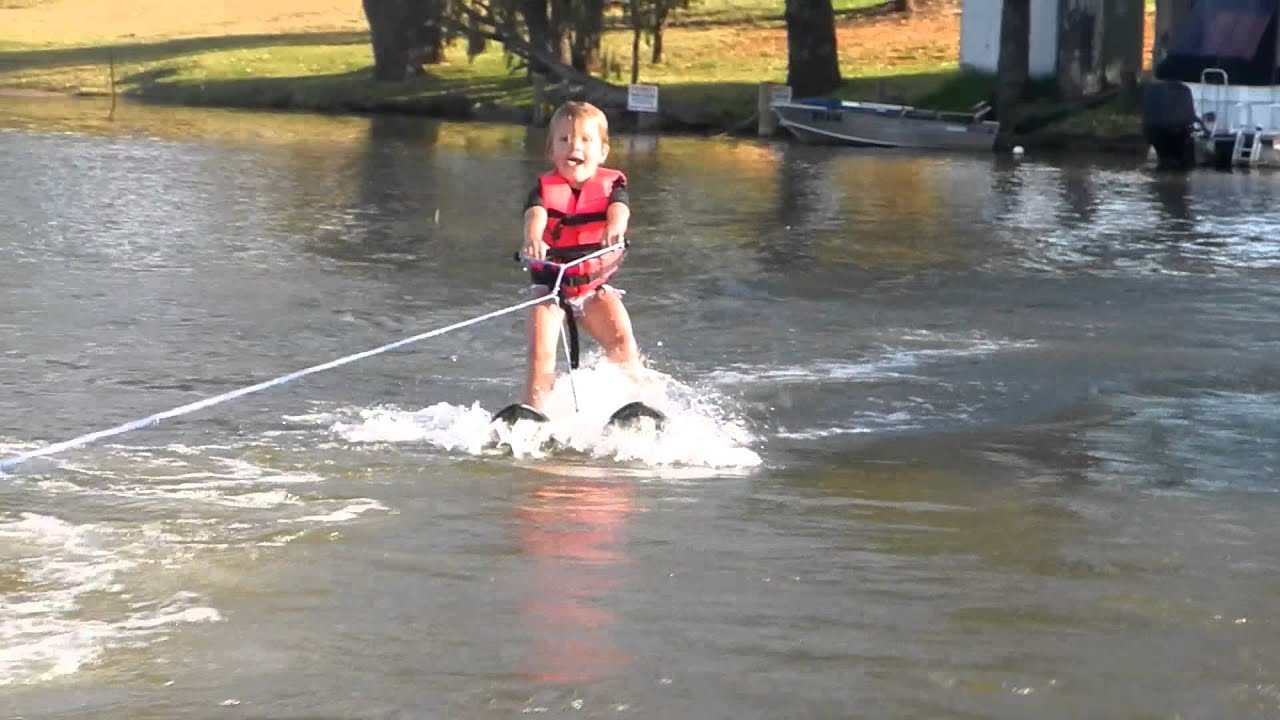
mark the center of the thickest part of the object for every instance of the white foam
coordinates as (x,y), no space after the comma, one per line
(794,374)
(75,591)
(45,629)
(451,427)
(698,432)
(892,363)
(350,512)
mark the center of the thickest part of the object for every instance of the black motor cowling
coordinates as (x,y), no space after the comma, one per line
(1168,122)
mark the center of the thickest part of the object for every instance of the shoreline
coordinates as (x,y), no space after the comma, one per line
(460,107)
(314,56)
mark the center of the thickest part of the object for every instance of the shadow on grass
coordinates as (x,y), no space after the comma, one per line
(724,106)
(729,18)
(32,58)
(345,92)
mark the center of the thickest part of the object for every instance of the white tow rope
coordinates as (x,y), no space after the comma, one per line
(11,462)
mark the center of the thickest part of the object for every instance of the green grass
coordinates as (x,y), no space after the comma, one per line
(753,11)
(708,62)
(709,67)
(717,53)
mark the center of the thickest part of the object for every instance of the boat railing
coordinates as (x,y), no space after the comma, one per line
(1214,104)
(1224,112)
(1261,116)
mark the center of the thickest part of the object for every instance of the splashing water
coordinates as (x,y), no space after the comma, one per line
(698,432)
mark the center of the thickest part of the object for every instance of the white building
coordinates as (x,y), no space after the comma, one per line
(980,36)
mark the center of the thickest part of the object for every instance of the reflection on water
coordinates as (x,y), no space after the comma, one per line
(1011,428)
(573,533)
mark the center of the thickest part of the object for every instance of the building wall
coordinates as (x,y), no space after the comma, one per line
(980,36)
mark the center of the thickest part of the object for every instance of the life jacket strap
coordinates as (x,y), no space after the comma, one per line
(578,275)
(571,324)
(576,220)
(571,253)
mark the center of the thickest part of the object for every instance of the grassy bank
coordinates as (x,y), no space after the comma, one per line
(315,55)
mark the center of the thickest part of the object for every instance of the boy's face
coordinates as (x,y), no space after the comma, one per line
(577,149)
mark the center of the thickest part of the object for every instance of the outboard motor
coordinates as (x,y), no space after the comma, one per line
(1169,123)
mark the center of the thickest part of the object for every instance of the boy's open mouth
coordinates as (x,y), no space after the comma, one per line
(574,160)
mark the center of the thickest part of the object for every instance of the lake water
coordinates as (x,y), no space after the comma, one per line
(952,436)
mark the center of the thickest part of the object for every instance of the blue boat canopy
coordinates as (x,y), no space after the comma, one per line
(1238,36)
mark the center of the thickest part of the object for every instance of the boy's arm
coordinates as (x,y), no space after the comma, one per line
(535,223)
(616,218)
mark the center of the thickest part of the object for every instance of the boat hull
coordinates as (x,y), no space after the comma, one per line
(871,124)
(1219,124)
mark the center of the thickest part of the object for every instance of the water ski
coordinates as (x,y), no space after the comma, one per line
(512,414)
(521,438)
(633,413)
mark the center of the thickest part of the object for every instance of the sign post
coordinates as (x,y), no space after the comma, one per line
(766,119)
(643,100)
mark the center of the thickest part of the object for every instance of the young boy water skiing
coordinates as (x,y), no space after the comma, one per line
(578,207)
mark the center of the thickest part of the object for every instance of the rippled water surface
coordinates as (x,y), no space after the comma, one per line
(951,436)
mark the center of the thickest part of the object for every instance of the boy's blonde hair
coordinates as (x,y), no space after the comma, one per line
(579,110)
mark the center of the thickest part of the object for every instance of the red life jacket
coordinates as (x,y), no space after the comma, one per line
(576,227)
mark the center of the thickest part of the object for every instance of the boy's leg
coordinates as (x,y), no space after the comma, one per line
(543,340)
(606,319)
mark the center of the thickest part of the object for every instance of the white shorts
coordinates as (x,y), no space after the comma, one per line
(577,303)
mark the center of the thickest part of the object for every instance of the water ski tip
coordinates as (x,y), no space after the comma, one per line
(634,412)
(512,414)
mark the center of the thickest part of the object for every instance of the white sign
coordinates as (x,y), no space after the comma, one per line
(642,98)
(779,94)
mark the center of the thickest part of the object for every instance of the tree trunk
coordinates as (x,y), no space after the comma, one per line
(539,26)
(1011,75)
(391,30)
(564,47)
(1080,27)
(572,84)
(430,50)
(659,22)
(1122,45)
(813,67)
(536,21)
(637,29)
(588,28)
(905,6)
(562,30)
(476,42)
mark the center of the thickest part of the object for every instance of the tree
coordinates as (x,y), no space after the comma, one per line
(636,13)
(648,18)
(1011,70)
(393,26)
(587,27)
(537,20)
(567,81)
(813,67)
(431,35)
(406,34)
(661,13)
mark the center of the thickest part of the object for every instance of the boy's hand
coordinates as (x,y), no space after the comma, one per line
(535,222)
(615,233)
(535,249)
(615,228)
